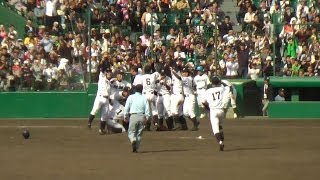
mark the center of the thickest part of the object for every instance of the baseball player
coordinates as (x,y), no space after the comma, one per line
(164,99)
(215,104)
(137,78)
(201,82)
(190,99)
(118,83)
(101,101)
(232,97)
(149,91)
(116,115)
(176,101)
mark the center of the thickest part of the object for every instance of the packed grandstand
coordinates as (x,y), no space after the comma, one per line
(61,48)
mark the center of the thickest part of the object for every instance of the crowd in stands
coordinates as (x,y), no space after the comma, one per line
(128,33)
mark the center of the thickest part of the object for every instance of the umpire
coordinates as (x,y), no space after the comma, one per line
(137,109)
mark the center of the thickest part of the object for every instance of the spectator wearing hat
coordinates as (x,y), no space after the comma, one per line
(253,72)
(267,95)
(280,96)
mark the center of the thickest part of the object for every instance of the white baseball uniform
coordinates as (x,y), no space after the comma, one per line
(118,86)
(190,99)
(101,101)
(201,83)
(231,93)
(149,87)
(177,96)
(164,98)
(138,79)
(116,111)
(215,99)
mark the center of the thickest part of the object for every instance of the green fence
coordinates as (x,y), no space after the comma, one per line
(44,105)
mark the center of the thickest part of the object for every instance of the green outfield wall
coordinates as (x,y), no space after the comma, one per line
(43,104)
(79,104)
(294,110)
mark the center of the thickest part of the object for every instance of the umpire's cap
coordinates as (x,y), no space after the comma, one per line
(216,80)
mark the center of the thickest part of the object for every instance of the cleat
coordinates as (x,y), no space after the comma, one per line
(202,116)
(235,115)
(102,132)
(134,147)
(89,126)
(221,148)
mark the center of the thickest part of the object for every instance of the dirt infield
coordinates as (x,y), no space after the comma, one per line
(66,150)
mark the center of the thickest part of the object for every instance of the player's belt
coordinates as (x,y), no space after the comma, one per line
(187,95)
(136,113)
(159,94)
(104,96)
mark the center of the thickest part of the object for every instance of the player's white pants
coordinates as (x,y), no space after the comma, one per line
(201,97)
(163,106)
(112,123)
(152,102)
(115,116)
(189,105)
(216,117)
(101,103)
(176,104)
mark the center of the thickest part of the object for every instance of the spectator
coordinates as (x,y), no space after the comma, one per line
(280,96)
(183,5)
(253,72)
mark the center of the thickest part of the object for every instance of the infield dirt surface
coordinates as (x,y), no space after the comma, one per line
(254,149)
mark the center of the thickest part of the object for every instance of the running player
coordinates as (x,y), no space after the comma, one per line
(101,101)
(215,104)
(190,99)
(201,81)
(149,91)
